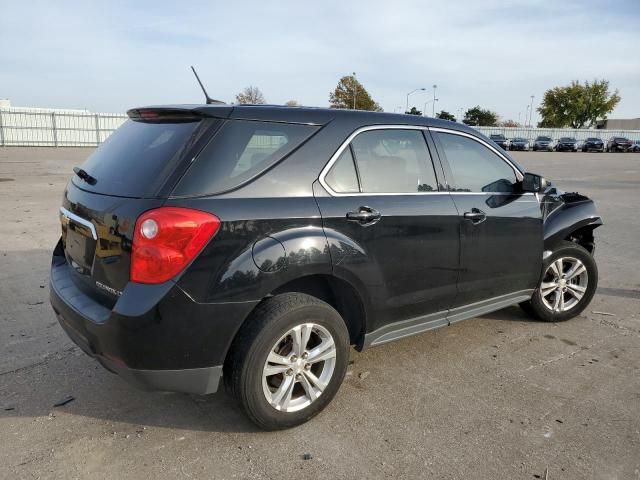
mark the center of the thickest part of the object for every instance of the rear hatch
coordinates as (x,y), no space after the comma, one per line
(133,171)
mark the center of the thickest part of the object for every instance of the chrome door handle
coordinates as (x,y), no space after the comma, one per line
(364,216)
(475,215)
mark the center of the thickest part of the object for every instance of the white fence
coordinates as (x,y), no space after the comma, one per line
(42,128)
(555,133)
(30,127)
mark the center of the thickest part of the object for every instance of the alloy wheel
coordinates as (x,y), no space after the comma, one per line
(564,284)
(299,367)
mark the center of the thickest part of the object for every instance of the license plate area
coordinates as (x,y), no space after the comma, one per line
(79,244)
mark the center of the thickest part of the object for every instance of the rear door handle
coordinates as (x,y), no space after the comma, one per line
(364,216)
(475,215)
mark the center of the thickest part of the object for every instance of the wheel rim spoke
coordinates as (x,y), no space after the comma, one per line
(322,352)
(556,302)
(576,270)
(547,287)
(305,335)
(275,369)
(315,381)
(576,291)
(308,388)
(296,337)
(282,396)
(278,359)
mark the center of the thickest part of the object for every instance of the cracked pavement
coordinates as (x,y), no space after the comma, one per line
(500,396)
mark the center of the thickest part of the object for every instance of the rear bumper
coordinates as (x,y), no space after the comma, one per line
(170,343)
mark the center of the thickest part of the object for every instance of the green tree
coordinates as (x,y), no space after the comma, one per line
(251,95)
(480,117)
(577,105)
(343,95)
(292,103)
(444,115)
(414,111)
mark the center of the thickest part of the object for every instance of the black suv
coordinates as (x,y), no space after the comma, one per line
(618,144)
(567,144)
(255,244)
(593,144)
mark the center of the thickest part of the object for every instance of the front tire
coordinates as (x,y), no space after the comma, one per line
(289,360)
(567,285)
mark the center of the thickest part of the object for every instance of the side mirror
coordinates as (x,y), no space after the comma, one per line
(533,183)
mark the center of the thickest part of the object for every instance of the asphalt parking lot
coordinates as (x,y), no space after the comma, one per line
(496,397)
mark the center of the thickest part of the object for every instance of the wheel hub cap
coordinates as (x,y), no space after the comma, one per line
(299,367)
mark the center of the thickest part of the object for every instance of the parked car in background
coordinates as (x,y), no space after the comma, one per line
(543,142)
(567,144)
(635,146)
(618,144)
(499,139)
(253,245)
(519,143)
(593,144)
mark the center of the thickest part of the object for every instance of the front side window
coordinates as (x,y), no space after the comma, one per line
(476,168)
(387,161)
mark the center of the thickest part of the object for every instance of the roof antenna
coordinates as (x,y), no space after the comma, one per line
(210,101)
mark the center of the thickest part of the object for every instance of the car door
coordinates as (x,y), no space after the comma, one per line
(501,237)
(389,226)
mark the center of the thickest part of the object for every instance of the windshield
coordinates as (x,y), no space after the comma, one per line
(593,139)
(567,139)
(497,137)
(620,139)
(544,139)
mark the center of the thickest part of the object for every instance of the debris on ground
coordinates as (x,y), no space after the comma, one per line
(363,375)
(307,456)
(603,313)
(64,401)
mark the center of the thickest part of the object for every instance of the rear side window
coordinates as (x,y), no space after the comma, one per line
(342,177)
(240,150)
(137,158)
(475,167)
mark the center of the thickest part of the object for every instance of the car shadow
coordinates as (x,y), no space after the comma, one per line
(93,392)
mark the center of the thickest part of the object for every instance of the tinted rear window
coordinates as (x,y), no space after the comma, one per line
(239,151)
(137,158)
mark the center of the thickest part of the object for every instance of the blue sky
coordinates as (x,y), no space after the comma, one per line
(110,56)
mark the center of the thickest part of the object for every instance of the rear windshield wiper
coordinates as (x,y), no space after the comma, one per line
(84,175)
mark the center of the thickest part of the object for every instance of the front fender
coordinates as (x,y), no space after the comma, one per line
(568,213)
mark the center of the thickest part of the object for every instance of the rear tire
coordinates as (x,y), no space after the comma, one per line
(567,285)
(271,368)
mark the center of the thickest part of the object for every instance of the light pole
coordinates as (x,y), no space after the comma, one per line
(433,110)
(531,113)
(460,110)
(424,110)
(412,92)
(355,88)
(526,115)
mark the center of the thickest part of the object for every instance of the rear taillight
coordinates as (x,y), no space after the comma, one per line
(166,240)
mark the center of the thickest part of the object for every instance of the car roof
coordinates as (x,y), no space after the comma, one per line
(312,115)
